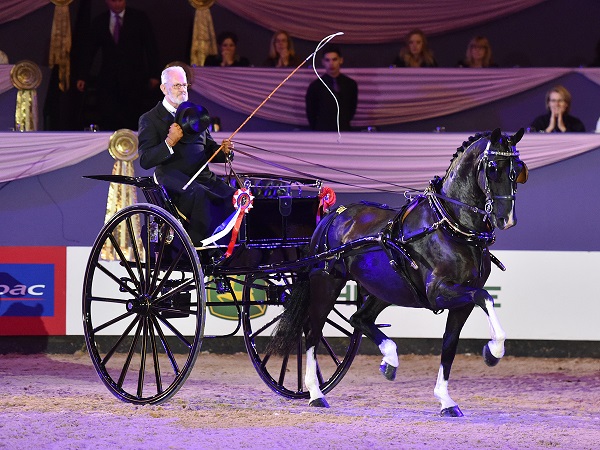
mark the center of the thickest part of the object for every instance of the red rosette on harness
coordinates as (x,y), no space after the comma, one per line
(326,200)
(242,201)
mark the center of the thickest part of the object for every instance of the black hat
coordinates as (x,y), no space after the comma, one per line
(193,120)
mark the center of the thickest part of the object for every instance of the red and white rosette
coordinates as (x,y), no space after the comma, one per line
(326,200)
(242,201)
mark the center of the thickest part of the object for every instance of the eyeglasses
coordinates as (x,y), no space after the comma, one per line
(179,86)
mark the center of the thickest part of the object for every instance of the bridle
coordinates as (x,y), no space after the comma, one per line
(485,163)
(455,228)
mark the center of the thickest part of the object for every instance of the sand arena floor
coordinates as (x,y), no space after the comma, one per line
(58,402)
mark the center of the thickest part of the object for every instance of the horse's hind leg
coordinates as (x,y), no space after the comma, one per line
(364,320)
(324,291)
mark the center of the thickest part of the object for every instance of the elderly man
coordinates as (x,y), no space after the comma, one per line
(179,153)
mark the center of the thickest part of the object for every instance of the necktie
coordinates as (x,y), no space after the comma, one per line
(117,29)
(336,87)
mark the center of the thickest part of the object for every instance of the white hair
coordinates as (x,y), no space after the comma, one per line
(164,76)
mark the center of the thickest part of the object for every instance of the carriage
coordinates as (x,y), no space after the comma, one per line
(144,313)
(150,303)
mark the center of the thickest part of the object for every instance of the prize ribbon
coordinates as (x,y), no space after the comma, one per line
(326,200)
(242,201)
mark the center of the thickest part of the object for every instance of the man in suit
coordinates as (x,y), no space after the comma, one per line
(178,154)
(129,67)
(321,108)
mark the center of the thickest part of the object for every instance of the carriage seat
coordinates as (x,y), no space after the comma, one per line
(153,192)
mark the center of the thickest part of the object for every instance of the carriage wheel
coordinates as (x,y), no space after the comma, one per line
(143,304)
(285,374)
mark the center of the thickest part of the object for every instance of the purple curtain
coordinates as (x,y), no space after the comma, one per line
(385,96)
(15,9)
(373,21)
(358,162)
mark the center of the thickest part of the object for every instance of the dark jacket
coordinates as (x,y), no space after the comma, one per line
(321,110)
(571,122)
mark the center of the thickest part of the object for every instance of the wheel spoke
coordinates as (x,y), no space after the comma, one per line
(330,351)
(264,327)
(339,327)
(119,341)
(175,331)
(129,355)
(138,260)
(283,370)
(117,280)
(112,321)
(124,261)
(166,346)
(155,357)
(142,372)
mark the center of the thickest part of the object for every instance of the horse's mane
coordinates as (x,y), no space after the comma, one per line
(465,145)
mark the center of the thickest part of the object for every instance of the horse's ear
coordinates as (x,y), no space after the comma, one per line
(495,137)
(517,136)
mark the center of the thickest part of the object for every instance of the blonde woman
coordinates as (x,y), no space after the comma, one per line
(557,119)
(479,54)
(416,51)
(281,51)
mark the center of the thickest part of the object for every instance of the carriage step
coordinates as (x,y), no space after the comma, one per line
(383,325)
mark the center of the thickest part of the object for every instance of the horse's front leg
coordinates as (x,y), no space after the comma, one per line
(493,351)
(449,296)
(454,324)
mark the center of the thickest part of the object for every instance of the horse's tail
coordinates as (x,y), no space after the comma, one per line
(291,325)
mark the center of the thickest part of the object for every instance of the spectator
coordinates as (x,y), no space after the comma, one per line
(321,108)
(558,119)
(281,51)
(174,139)
(416,52)
(227,42)
(129,65)
(479,54)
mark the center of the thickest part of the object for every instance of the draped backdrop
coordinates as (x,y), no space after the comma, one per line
(385,97)
(363,22)
(359,162)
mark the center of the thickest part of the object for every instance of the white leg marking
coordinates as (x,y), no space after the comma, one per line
(496,345)
(441,391)
(389,351)
(310,378)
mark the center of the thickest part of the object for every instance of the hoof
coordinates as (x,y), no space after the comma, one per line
(453,411)
(489,359)
(388,371)
(319,403)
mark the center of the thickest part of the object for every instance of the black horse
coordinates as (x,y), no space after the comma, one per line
(432,254)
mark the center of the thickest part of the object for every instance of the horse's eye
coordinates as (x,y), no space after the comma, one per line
(492,168)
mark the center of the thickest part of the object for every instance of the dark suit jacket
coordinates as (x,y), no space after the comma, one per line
(321,110)
(175,170)
(132,61)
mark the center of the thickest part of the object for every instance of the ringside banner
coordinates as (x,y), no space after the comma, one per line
(546,295)
(33,291)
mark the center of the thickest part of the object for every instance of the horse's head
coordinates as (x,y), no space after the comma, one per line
(498,171)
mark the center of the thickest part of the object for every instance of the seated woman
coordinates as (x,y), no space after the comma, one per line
(227,42)
(416,52)
(281,51)
(558,119)
(479,54)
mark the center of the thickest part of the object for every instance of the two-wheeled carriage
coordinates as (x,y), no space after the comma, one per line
(147,290)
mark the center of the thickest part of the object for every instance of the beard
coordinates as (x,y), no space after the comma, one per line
(177,99)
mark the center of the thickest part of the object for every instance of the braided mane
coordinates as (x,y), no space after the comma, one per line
(465,145)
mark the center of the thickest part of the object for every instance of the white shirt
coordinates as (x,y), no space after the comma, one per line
(113,20)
